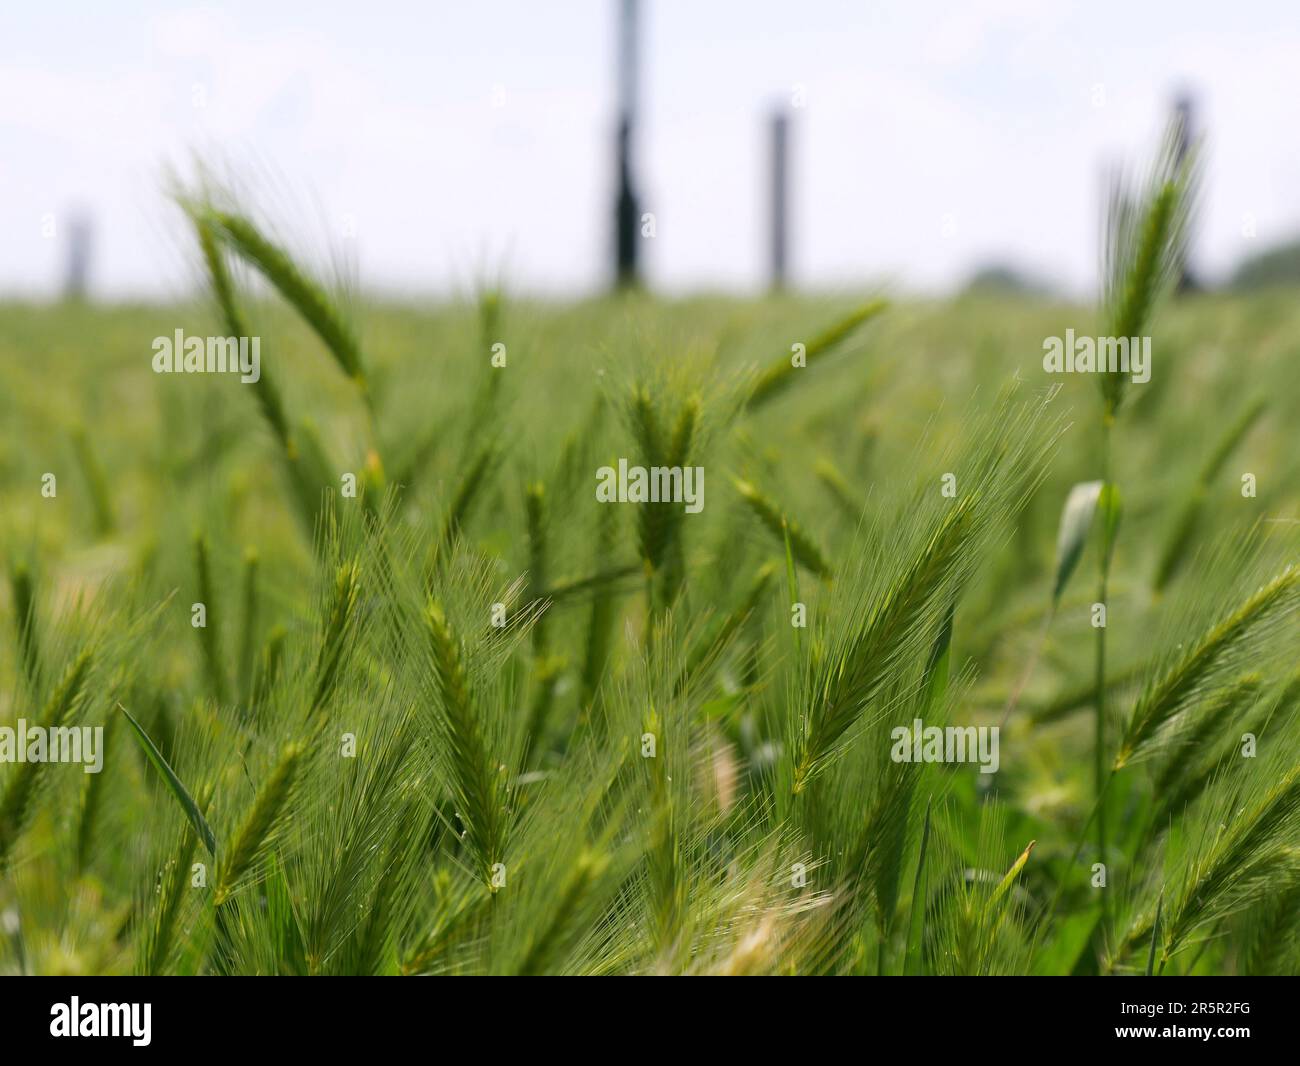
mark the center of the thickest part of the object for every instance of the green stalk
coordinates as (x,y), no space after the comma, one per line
(248,628)
(546,668)
(916,913)
(92,802)
(269,669)
(207,634)
(603,611)
(1099,671)
(100,498)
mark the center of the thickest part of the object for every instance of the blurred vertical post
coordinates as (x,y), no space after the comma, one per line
(1184,130)
(77,275)
(780,164)
(627,212)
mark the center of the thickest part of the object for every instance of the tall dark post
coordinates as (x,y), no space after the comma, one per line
(627,211)
(780,196)
(75,281)
(1184,127)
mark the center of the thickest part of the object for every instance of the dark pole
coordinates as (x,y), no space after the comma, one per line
(76,279)
(627,212)
(1184,118)
(780,196)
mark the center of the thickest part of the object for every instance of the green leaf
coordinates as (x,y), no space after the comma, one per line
(723,707)
(916,919)
(1155,936)
(1071,937)
(178,790)
(1072,535)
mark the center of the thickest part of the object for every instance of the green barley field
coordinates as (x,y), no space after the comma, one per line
(386,688)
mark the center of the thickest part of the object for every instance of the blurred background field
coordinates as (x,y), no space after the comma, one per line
(184,450)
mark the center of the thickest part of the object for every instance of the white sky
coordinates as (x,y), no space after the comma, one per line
(463,138)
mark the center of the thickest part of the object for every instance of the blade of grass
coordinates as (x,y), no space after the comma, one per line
(916,917)
(174,785)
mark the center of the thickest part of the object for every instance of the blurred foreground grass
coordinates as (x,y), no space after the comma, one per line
(613,862)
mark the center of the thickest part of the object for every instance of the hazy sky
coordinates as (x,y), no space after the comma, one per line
(448,140)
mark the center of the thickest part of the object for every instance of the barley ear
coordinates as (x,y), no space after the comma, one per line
(1004,886)
(1236,868)
(651,519)
(1198,673)
(302,291)
(173,884)
(1144,247)
(476,780)
(783,372)
(855,675)
(335,636)
(223,288)
(548,943)
(777,521)
(260,824)
(21,789)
